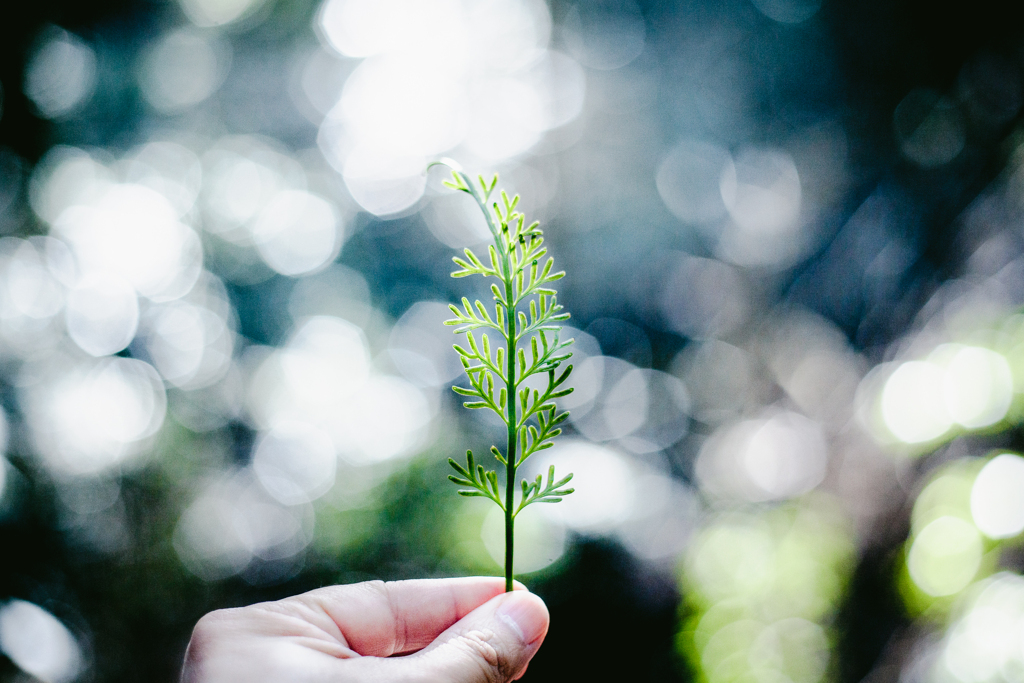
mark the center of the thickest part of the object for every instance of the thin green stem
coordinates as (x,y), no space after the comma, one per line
(510,386)
(511,446)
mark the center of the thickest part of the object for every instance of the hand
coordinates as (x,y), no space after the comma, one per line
(458,630)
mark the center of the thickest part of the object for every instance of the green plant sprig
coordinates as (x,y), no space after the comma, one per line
(526,318)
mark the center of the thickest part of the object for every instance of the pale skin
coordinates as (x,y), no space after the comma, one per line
(458,630)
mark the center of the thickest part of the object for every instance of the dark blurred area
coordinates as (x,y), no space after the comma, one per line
(795,264)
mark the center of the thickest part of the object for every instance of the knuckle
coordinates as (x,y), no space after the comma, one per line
(479,648)
(204,639)
(206,629)
(213,625)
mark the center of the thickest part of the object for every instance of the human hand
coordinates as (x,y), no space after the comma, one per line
(459,630)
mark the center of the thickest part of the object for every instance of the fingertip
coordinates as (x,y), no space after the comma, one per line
(517,586)
(526,614)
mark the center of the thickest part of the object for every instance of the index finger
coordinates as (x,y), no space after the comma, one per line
(381,619)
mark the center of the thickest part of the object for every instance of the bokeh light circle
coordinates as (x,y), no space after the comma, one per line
(912,402)
(102,314)
(978,387)
(997,505)
(61,74)
(295,462)
(38,643)
(945,556)
(297,232)
(91,418)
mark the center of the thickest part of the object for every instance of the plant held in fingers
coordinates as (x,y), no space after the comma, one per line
(526,323)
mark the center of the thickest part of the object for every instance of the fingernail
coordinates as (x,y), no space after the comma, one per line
(525,614)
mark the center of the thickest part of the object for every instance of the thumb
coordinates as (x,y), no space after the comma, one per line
(491,644)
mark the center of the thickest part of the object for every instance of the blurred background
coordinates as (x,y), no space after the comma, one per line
(793,237)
